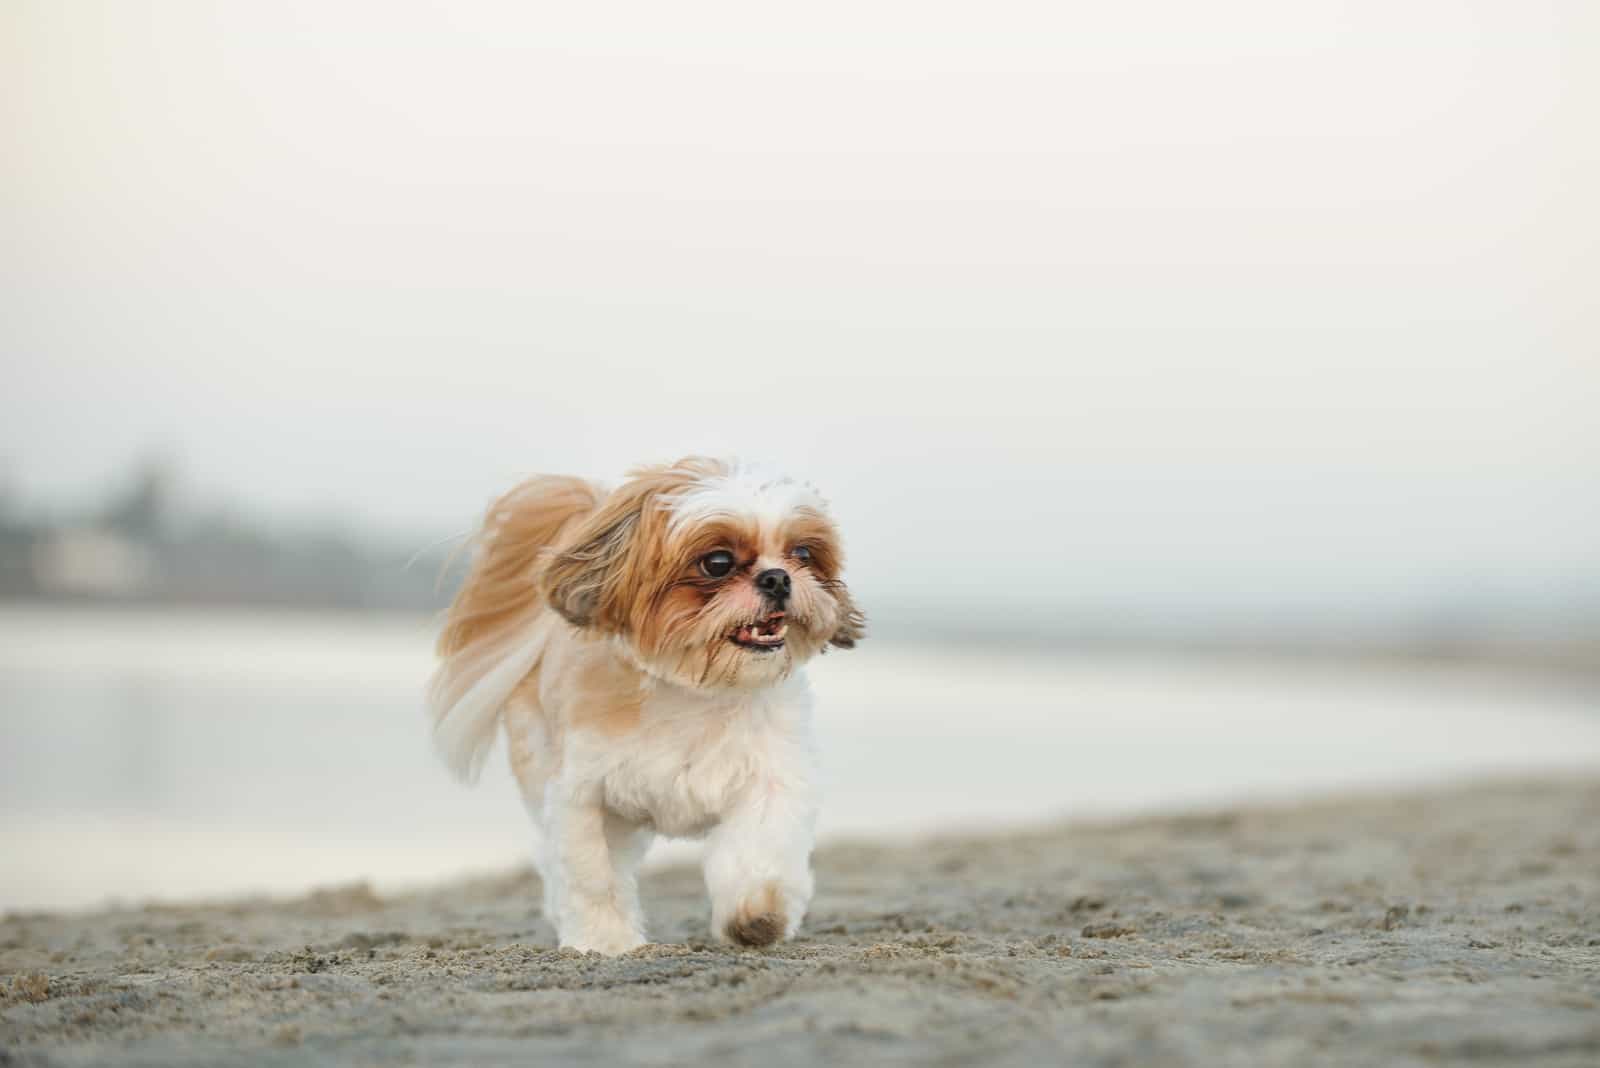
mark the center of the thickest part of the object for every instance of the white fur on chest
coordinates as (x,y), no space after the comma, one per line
(691,760)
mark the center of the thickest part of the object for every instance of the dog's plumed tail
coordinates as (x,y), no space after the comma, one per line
(495,631)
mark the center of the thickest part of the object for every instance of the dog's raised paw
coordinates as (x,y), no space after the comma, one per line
(759,920)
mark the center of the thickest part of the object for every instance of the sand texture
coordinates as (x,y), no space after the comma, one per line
(1460,926)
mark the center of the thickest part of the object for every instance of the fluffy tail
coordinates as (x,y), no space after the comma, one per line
(495,631)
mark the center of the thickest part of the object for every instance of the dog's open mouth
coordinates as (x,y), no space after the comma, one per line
(766,634)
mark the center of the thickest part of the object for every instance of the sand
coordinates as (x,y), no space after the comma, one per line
(1455,926)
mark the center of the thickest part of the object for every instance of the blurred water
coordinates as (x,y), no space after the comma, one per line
(165,754)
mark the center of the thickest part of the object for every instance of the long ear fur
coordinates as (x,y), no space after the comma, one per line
(852,621)
(491,638)
(580,580)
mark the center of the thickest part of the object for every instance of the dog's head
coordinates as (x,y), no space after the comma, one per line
(710,574)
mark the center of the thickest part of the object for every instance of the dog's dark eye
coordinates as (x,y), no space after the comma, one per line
(801,553)
(717,564)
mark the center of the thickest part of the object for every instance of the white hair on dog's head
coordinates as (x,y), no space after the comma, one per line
(746,490)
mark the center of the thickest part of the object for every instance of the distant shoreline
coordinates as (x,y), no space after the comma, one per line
(1576,659)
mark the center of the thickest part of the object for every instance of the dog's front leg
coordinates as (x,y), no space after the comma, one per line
(758,865)
(593,894)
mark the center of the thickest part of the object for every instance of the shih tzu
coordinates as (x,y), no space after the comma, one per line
(643,650)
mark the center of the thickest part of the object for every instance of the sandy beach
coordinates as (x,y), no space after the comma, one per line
(1442,927)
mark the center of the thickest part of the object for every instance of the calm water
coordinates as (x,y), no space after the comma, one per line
(165,754)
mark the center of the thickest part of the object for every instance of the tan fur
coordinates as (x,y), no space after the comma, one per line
(613,691)
(499,590)
(760,920)
(530,763)
(560,557)
(852,621)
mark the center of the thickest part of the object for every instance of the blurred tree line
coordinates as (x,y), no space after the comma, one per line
(141,545)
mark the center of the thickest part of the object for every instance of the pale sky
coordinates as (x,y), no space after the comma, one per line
(1156,306)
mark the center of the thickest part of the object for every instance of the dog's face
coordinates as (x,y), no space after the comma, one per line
(710,576)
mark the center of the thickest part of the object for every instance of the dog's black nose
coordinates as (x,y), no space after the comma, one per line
(774,582)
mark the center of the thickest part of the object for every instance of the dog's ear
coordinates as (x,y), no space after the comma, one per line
(600,573)
(584,579)
(852,621)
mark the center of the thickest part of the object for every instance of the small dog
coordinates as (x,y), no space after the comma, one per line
(643,650)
